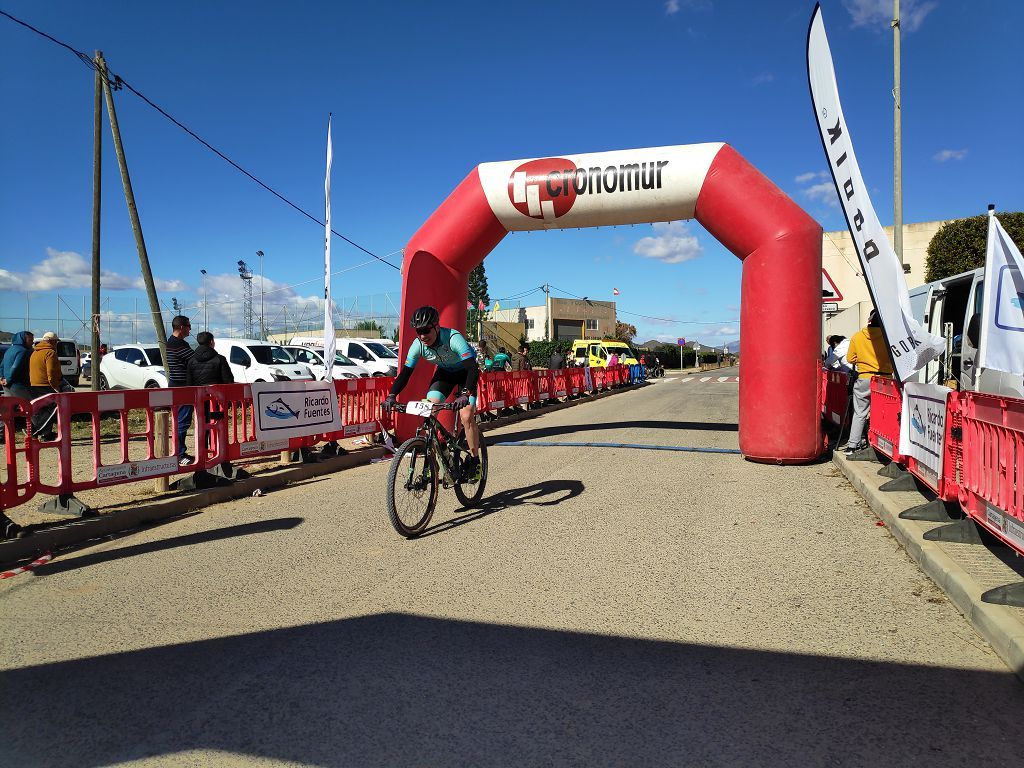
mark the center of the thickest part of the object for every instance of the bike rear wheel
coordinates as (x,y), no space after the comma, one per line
(469,494)
(412,487)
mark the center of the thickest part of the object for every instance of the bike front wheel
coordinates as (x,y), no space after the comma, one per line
(412,487)
(469,494)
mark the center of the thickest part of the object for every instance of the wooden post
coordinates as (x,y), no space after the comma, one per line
(133,214)
(162,446)
(97,178)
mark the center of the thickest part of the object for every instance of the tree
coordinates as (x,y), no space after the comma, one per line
(477,292)
(624,332)
(367,325)
(959,245)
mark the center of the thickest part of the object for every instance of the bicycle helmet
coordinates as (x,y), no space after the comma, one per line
(424,316)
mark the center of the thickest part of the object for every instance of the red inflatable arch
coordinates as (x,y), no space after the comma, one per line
(779,244)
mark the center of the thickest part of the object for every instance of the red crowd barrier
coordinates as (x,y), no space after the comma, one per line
(992,490)
(835,395)
(16,481)
(224,428)
(884,429)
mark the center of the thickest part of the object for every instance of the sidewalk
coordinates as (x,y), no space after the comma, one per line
(963,571)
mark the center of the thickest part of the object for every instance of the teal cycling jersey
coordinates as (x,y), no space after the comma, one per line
(449,351)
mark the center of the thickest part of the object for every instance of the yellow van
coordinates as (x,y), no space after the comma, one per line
(598,352)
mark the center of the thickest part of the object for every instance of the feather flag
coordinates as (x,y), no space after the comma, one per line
(469,305)
(481,306)
(497,306)
(615,291)
(329,337)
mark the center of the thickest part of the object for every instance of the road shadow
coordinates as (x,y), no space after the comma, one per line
(188,540)
(569,429)
(404,690)
(544,494)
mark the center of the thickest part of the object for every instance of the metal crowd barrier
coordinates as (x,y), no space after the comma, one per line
(884,428)
(835,395)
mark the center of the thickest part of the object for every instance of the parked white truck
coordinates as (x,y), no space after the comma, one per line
(957,301)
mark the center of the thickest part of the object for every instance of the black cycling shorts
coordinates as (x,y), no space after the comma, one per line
(445,381)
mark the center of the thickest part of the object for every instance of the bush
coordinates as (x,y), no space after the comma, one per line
(540,352)
(959,246)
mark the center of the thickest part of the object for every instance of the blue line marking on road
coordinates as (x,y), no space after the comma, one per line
(640,446)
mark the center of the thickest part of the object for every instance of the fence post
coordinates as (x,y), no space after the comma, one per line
(162,446)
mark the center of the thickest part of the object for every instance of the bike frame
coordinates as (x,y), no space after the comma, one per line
(431,430)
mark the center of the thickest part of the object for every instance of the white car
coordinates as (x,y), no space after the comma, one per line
(343,368)
(132,366)
(252,360)
(373,354)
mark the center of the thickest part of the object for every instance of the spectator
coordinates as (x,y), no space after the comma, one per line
(867,351)
(835,359)
(501,360)
(207,366)
(613,360)
(44,378)
(556,362)
(521,362)
(14,371)
(178,355)
(483,355)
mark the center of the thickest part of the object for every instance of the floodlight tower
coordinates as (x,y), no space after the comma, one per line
(246,274)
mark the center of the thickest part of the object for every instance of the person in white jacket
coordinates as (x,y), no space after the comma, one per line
(835,359)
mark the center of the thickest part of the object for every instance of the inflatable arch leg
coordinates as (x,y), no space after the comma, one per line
(779,244)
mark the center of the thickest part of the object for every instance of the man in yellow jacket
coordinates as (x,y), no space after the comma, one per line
(44,378)
(870,357)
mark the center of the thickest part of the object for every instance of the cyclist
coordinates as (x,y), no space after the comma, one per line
(456,365)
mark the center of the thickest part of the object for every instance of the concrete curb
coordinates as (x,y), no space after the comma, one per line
(997,624)
(79,530)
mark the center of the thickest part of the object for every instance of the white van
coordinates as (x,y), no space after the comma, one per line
(958,300)
(253,361)
(375,355)
(313,357)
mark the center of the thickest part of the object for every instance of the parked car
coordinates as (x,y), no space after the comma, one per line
(87,366)
(343,368)
(70,361)
(373,354)
(252,360)
(132,366)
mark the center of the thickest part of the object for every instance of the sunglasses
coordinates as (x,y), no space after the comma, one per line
(424,331)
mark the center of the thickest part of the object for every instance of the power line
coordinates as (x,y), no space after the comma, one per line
(118,82)
(650,317)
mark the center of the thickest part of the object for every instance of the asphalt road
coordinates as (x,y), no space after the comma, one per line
(606,606)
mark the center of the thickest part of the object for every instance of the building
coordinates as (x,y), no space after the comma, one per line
(839,260)
(563,319)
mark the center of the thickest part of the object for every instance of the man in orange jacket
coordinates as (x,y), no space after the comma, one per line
(870,357)
(44,378)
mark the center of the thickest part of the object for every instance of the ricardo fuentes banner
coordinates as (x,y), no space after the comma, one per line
(923,427)
(294,409)
(911,345)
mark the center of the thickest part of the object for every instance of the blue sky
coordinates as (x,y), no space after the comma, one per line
(422,92)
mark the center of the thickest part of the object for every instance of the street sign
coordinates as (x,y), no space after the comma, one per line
(830,306)
(829,292)
(681,342)
(696,347)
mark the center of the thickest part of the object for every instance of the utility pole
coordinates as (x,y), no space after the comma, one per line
(263,330)
(897,155)
(133,214)
(547,312)
(97,177)
(206,303)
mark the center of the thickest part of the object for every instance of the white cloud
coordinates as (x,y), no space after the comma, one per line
(878,13)
(803,178)
(825,192)
(67,270)
(762,78)
(950,154)
(671,7)
(673,243)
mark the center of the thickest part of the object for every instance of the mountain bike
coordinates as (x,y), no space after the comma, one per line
(430,456)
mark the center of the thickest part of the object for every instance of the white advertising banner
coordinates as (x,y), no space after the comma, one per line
(911,345)
(287,409)
(923,425)
(627,186)
(1002,321)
